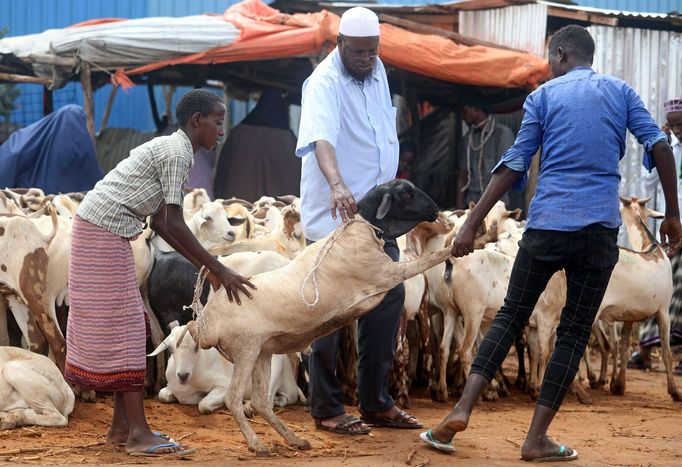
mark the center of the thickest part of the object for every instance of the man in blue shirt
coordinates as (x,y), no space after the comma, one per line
(580,119)
(348,141)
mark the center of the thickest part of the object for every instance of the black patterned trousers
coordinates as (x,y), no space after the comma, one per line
(588,256)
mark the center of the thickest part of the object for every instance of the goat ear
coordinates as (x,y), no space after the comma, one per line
(236,221)
(384,207)
(655,214)
(160,349)
(516,213)
(626,202)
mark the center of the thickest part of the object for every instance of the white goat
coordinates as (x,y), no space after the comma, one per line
(211,227)
(32,390)
(202,376)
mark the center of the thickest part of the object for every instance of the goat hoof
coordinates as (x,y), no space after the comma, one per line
(302,444)
(618,389)
(248,411)
(263,452)
(8,423)
(490,396)
(441,395)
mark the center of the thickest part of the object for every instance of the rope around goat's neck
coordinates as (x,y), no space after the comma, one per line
(196,306)
(322,254)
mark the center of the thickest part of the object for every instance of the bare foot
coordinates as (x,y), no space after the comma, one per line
(117,436)
(335,421)
(543,447)
(453,423)
(139,442)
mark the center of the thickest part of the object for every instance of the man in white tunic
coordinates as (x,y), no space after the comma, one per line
(348,141)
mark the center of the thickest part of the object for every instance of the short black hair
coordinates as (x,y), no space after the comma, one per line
(475,100)
(196,100)
(575,40)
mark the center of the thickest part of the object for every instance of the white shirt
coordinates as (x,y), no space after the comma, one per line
(652,184)
(359,120)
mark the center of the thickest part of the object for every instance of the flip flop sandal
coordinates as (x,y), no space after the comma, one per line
(158,434)
(401,420)
(427,437)
(343,427)
(151,451)
(561,457)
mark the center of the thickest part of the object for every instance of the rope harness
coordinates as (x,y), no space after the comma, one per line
(487,131)
(322,254)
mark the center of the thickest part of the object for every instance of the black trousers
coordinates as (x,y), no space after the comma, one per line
(377,332)
(588,256)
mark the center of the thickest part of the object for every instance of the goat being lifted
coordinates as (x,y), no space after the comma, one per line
(330,284)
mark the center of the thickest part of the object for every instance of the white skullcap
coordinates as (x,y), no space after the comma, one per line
(359,22)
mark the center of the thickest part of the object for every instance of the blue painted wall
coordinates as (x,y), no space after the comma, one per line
(131,109)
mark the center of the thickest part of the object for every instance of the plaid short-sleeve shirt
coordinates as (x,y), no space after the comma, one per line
(154,173)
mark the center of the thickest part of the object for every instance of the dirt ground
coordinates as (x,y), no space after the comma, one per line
(643,427)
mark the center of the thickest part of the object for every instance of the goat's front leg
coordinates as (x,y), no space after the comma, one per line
(260,401)
(243,367)
(213,401)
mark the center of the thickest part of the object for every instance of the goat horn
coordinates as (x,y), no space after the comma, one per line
(227,202)
(182,336)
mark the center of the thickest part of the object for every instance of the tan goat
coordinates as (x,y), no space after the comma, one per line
(330,284)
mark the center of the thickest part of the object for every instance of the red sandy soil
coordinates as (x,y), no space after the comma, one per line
(643,427)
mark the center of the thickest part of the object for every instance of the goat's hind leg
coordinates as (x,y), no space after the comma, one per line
(663,321)
(243,367)
(260,401)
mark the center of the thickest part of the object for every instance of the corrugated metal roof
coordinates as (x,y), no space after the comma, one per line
(651,6)
(521,26)
(619,11)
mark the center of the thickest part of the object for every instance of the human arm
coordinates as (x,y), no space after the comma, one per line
(657,154)
(671,230)
(342,198)
(169,223)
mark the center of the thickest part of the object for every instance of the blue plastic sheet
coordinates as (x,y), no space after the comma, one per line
(54,154)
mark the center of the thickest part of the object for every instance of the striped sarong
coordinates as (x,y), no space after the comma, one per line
(648,331)
(107,326)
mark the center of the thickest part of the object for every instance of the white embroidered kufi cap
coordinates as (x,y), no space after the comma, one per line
(359,22)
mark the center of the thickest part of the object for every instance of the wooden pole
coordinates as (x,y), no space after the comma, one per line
(86,82)
(24,79)
(107,110)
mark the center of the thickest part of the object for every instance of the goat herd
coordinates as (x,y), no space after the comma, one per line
(303,293)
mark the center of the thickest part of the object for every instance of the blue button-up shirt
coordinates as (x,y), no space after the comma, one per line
(580,120)
(359,120)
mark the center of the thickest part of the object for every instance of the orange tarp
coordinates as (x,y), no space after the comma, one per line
(266,33)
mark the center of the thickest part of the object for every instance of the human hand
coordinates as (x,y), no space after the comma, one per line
(464,241)
(342,199)
(232,282)
(671,235)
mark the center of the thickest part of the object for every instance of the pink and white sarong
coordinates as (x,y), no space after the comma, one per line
(107,325)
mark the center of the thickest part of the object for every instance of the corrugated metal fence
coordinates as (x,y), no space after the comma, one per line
(651,61)
(520,26)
